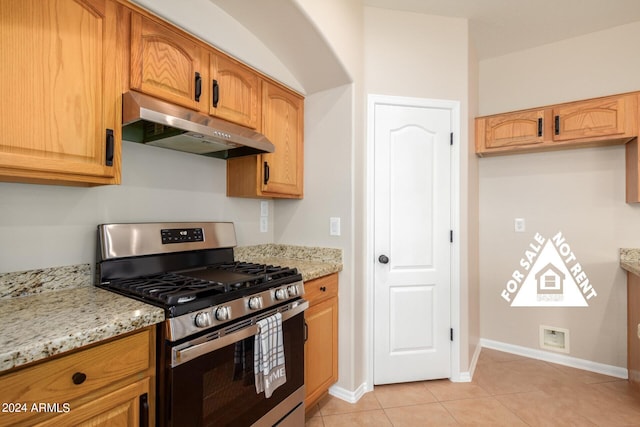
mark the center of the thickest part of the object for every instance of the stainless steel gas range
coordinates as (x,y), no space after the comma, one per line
(217,311)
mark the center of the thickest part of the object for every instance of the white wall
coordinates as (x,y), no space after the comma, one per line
(578,192)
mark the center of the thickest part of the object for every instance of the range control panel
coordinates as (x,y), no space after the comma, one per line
(181,235)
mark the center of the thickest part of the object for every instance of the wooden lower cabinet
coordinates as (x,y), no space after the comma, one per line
(321,347)
(122,407)
(633,326)
(112,383)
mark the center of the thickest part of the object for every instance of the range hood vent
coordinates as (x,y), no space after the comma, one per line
(154,122)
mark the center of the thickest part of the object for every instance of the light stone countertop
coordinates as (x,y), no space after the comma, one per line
(50,311)
(630,260)
(311,262)
(40,324)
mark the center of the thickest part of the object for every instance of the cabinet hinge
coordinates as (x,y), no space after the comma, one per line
(451,334)
(109,148)
(451,236)
(451,139)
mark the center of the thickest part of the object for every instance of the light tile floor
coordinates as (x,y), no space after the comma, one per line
(507,390)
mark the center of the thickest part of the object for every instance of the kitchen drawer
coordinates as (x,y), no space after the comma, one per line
(317,290)
(64,379)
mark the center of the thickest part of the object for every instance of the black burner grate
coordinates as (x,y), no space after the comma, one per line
(170,289)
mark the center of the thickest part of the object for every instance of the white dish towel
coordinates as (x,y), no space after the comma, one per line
(268,355)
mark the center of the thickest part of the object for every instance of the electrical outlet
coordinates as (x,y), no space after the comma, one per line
(519,225)
(264,224)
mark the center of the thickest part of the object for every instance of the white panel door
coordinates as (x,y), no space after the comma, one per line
(412,223)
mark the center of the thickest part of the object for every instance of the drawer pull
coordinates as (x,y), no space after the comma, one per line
(78,378)
(323,288)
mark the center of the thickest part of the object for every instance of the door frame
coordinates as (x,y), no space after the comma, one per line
(454,107)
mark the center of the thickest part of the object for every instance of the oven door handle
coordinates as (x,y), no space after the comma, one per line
(190,353)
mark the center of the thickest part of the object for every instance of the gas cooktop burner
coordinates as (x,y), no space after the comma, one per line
(211,285)
(168,288)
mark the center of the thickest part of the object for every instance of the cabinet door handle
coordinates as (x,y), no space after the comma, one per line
(266,173)
(198,87)
(144,410)
(557,125)
(306,331)
(539,127)
(216,93)
(323,288)
(78,378)
(109,148)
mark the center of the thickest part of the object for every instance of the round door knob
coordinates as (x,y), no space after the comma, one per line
(383,259)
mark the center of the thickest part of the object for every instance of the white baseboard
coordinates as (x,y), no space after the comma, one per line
(560,359)
(349,396)
(466,377)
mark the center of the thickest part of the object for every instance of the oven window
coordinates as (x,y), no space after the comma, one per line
(218,389)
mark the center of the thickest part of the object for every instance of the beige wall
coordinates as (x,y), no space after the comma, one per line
(332,186)
(578,192)
(51,226)
(424,56)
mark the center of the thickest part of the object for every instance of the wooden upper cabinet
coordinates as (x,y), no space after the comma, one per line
(515,129)
(278,174)
(283,125)
(599,121)
(167,65)
(592,118)
(235,92)
(60,85)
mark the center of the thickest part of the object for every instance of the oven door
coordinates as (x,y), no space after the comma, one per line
(212,381)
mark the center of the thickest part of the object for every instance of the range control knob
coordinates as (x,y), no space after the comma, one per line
(255,303)
(222,313)
(292,290)
(281,294)
(202,320)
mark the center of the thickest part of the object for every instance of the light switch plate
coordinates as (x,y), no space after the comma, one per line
(334,226)
(264,208)
(519,225)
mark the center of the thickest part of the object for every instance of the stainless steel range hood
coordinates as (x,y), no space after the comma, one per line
(159,123)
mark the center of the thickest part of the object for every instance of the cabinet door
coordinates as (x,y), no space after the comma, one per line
(592,118)
(60,86)
(511,130)
(235,92)
(321,349)
(167,65)
(283,125)
(123,407)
